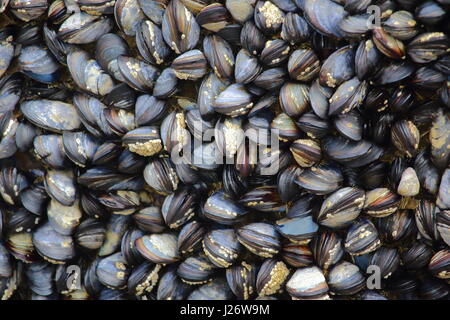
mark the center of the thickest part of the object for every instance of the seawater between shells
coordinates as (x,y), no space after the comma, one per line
(230,150)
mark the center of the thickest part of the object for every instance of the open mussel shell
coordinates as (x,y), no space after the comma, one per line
(362,238)
(222,247)
(346,279)
(196,270)
(113,271)
(143,278)
(53,246)
(381,202)
(158,248)
(327,249)
(307,283)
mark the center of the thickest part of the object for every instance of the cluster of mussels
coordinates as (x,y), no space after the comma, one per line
(97,95)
